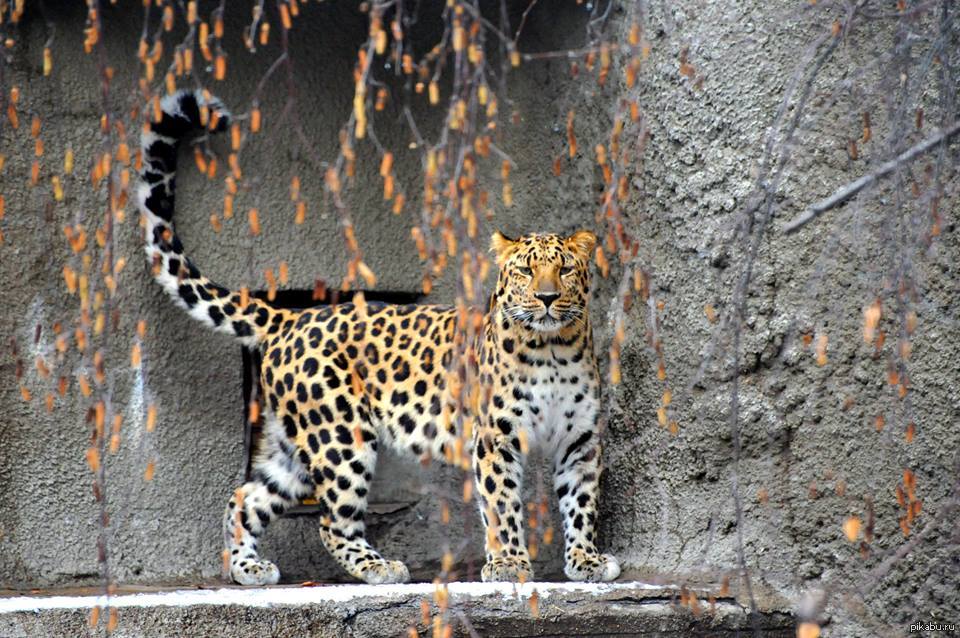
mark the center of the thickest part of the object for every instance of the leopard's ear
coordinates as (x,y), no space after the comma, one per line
(581,243)
(502,247)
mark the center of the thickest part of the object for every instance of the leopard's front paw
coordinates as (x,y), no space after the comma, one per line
(591,567)
(507,569)
(254,572)
(385,572)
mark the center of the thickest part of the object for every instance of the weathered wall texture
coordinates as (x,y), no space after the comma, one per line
(668,504)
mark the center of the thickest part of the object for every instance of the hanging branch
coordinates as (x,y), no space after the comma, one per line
(846,192)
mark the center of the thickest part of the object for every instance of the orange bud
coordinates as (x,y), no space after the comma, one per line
(85,389)
(821,350)
(271,284)
(571,136)
(135,356)
(386,164)
(851,528)
(151,417)
(368,276)
(93,458)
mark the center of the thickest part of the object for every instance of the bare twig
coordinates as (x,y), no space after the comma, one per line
(876,576)
(523,21)
(846,192)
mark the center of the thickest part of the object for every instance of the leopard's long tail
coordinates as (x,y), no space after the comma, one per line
(249,319)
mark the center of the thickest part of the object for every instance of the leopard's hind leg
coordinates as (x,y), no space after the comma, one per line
(278,480)
(343,469)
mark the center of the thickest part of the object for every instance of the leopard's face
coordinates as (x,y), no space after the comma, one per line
(544,282)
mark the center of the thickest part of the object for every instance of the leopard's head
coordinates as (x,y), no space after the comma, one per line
(544,281)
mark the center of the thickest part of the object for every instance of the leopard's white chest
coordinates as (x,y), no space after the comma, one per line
(560,402)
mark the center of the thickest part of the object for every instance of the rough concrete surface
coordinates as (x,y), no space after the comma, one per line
(494,610)
(809,456)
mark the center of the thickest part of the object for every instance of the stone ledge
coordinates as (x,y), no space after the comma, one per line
(492,609)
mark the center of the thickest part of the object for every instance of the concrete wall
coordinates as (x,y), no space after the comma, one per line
(667,505)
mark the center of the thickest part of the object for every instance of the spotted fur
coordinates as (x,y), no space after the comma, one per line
(341,381)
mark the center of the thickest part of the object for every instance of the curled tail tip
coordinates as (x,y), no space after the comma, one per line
(187,103)
(182,113)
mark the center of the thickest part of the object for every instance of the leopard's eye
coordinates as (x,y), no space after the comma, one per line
(566,270)
(526,272)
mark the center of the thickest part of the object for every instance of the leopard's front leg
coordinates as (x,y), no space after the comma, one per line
(498,466)
(576,479)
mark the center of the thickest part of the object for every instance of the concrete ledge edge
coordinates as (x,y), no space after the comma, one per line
(299,595)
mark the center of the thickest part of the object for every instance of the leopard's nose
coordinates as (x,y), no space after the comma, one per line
(547,298)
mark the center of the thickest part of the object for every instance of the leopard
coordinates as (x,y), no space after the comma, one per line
(341,382)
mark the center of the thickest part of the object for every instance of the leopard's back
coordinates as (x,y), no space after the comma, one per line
(338,376)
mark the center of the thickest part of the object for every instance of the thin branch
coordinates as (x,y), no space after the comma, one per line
(876,576)
(523,21)
(846,192)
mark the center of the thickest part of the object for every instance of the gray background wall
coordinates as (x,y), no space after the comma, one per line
(667,505)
